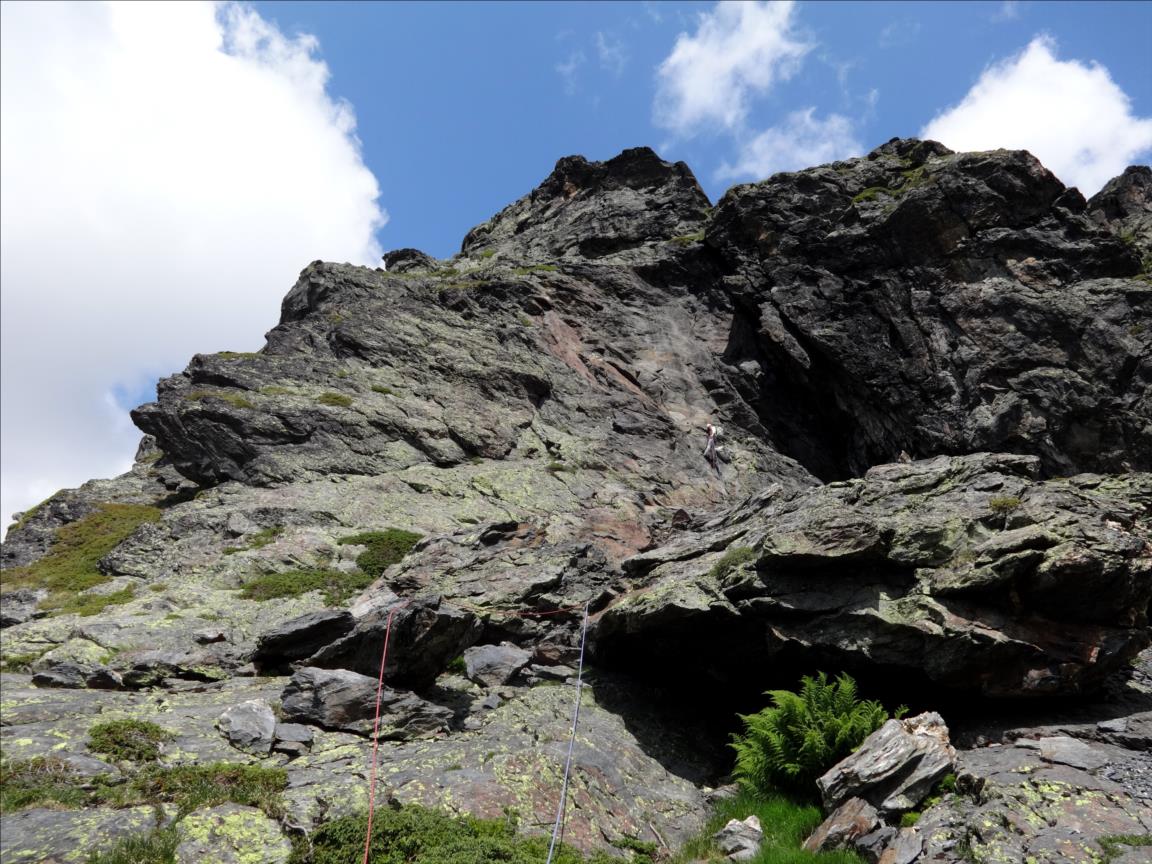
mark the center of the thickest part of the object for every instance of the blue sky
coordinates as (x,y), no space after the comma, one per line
(167,169)
(462,107)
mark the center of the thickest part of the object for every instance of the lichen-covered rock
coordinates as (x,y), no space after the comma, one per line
(894,768)
(231,834)
(42,836)
(301,637)
(967,570)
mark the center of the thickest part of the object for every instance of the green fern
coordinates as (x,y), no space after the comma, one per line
(801,735)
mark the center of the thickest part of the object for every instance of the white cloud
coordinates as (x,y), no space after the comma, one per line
(569,68)
(739,49)
(1072,116)
(801,141)
(613,53)
(167,169)
(1009,10)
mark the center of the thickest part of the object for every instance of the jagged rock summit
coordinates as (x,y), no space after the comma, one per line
(933,376)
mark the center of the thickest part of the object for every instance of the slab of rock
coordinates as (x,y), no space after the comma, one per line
(895,767)
(231,834)
(249,726)
(493,665)
(66,673)
(425,635)
(850,821)
(16,607)
(339,699)
(40,836)
(740,840)
(301,637)
(292,739)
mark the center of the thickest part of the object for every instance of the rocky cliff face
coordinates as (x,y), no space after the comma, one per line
(916,358)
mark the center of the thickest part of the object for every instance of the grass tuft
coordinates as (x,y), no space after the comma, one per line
(337,585)
(385,548)
(731,559)
(72,564)
(339,400)
(233,399)
(156,847)
(136,740)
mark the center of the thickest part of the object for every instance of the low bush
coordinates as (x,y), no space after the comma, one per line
(801,735)
(191,787)
(337,585)
(1003,505)
(385,548)
(136,740)
(416,835)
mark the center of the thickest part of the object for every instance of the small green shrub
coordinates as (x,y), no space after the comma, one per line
(457,665)
(337,585)
(158,846)
(276,390)
(535,268)
(136,740)
(380,388)
(1003,505)
(870,194)
(416,835)
(385,548)
(72,564)
(487,253)
(19,662)
(237,355)
(909,819)
(801,735)
(731,559)
(233,399)
(689,239)
(556,467)
(339,400)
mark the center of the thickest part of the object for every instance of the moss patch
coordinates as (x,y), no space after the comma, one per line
(72,564)
(338,400)
(337,585)
(385,548)
(137,740)
(731,559)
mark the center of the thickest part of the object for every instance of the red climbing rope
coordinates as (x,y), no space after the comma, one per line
(380,696)
(376,731)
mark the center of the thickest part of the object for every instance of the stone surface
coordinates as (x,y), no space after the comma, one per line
(231,834)
(249,726)
(339,699)
(740,840)
(493,665)
(40,836)
(966,572)
(895,768)
(851,820)
(534,407)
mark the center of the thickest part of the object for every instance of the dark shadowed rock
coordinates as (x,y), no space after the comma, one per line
(302,637)
(425,635)
(339,699)
(927,567)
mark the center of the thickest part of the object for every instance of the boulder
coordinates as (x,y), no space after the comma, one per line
(849,822)
(292,739)
(425,635)
(231,834)
(340,699)
(895,768)
(21,605)
(493,665)
(301,637)
(740,840)
(67,673)
(248,726)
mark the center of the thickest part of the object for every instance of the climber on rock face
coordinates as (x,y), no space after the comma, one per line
(710,450)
